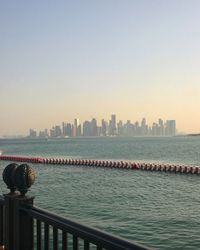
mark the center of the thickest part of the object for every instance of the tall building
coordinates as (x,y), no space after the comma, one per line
(112,125)
(170,128)
(129,128)
(43,134)
(32,133)
(144,127)
(94,130)
(68,129)
(86,128)
(52,132)
(155,129)
(104,127)
(120,129)
(161,127)
(75,127)
(79,130)
(137,128)
(63,129)
(58,131)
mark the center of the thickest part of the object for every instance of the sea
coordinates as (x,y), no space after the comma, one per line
(158,209)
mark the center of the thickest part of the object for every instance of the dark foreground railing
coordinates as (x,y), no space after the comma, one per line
(25,227)
(60,232)
(2,215)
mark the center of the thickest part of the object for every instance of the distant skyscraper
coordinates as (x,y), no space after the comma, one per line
(137,128)
(75,127)
(161,127)
(129,128)
(94,131)
(79,131)
(32,133)
(44,133)
(170,128)
(155,129)
(68,129)
(63,129)
(104,126)
(86,128)
(52,132)
(112,125)
(144,127)
(58,131)
(120,128)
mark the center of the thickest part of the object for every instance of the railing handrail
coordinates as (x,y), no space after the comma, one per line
(91,234)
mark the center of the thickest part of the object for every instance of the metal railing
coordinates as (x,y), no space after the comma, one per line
(64,232)
(26,227)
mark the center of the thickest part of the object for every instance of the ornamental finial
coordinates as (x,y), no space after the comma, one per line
(19,178)
(8,177)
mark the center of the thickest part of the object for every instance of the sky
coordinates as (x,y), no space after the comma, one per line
(61,60)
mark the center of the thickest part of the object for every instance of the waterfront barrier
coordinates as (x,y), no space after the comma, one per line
(106,164)
(26,227)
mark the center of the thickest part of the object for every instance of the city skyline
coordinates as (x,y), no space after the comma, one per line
(87,59)
(111,127)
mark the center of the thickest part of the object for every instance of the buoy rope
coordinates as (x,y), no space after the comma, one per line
(106,164)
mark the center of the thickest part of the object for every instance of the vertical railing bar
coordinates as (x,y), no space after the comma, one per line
(34,234)
(46,236)
(1,226)
(39,242)
(64,240)
(4,218)
(55,238)
(75,242)
(86,245)
(99,247)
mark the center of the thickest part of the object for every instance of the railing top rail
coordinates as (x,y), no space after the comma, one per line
(91,234)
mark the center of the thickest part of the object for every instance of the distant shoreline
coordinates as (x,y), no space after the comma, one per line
(193,134)
(80,137)
(70,137)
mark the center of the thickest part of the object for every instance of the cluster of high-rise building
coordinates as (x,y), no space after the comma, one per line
(108,128)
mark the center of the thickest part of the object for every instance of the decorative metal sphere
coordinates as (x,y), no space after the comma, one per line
(8,176)
(24,178)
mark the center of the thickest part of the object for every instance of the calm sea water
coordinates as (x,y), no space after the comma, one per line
(157,209)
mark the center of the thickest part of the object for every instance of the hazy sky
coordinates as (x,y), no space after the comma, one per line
(65,59)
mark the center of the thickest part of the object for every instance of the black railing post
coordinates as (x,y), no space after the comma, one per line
(19,226)
(9,221)
(24,224)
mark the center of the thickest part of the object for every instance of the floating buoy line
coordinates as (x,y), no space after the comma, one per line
(106,164)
